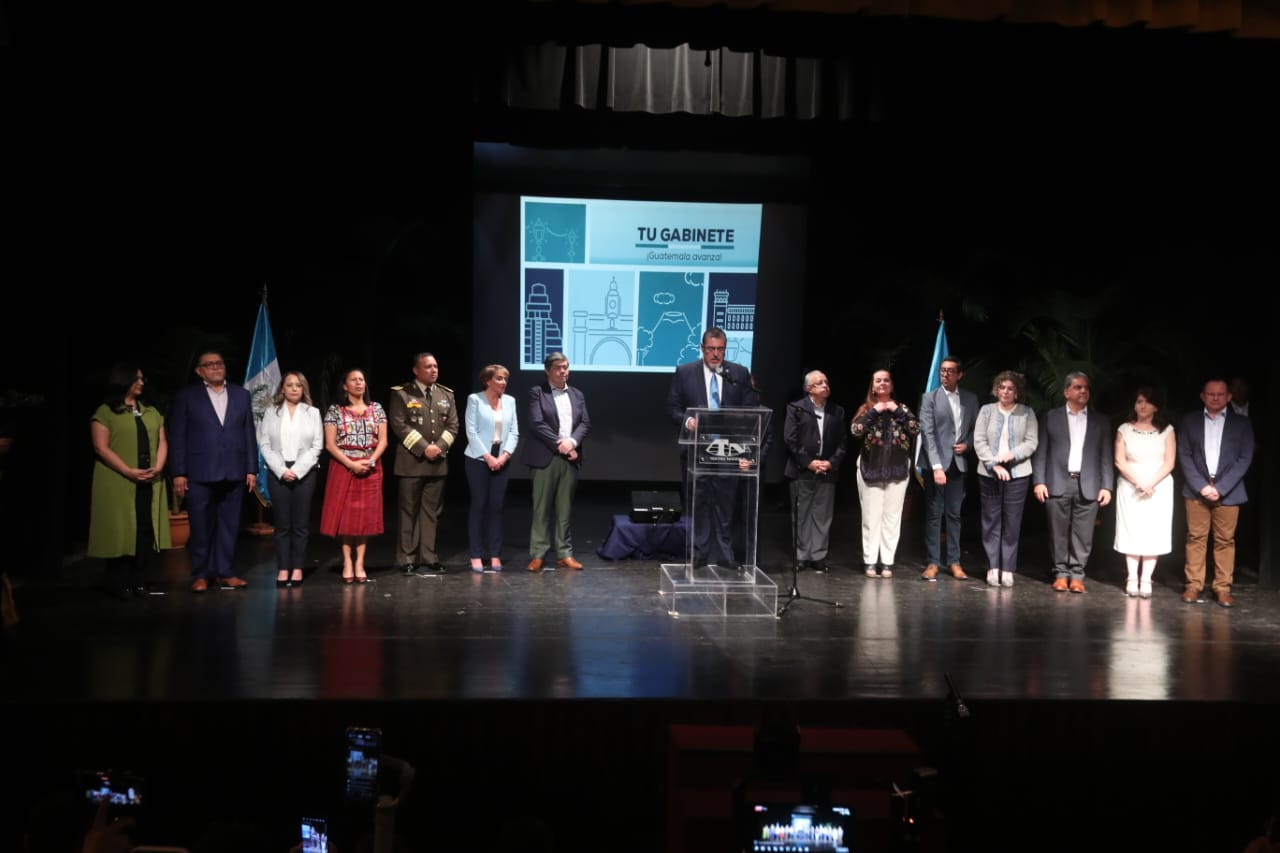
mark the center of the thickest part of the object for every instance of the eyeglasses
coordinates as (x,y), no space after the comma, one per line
(948,370)
(714,349)
(218,363)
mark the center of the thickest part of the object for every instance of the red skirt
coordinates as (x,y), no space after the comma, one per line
(352,505)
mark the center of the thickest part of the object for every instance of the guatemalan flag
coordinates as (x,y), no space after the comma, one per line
(931,383)
(261,380)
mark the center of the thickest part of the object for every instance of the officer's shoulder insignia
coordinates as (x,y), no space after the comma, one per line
(397,387)
(445,387)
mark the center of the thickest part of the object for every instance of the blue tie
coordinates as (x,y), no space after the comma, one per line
(715,391)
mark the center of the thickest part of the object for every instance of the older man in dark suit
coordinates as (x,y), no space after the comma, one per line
(1215,449)
(558,423)
(1073,473)
(816,435)
(711,382)
(213,454)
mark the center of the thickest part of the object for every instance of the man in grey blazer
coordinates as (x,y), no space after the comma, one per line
(558,423)
(947,414)
(1215,449)
(1073,472)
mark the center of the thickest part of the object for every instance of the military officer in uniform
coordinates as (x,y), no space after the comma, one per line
(424,420)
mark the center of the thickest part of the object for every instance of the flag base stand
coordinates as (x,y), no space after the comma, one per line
(260,527)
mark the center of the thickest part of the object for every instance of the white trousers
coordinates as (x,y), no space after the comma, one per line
(881,519)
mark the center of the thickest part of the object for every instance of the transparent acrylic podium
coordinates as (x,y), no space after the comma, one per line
(722,456)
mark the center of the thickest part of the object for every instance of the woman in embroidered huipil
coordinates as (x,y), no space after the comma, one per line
(886,428)
(1004,437)
(355,434)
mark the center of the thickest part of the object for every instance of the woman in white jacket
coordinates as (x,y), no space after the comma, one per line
(290,437)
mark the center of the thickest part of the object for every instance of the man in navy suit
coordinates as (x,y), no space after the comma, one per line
(947,415)
(711,382)
(213,454)
(558,422)
(1073,473)
(1215,449)
(816,435)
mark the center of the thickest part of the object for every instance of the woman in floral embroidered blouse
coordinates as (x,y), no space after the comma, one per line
(886,428)
(355,434)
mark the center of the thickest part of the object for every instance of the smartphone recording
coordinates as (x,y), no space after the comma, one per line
(801,828)
(315,835)
(364,750)
(121,791)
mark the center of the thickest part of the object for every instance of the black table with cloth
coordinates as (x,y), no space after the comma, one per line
(628,539)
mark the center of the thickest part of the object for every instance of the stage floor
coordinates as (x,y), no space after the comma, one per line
(606,632)
(583,673)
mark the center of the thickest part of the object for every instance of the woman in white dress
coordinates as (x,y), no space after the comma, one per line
(1145,453)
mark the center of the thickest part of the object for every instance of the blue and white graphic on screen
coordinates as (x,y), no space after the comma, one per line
(554,233)
(653,277)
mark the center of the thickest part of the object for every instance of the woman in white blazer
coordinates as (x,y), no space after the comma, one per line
(291,438)
(492,435)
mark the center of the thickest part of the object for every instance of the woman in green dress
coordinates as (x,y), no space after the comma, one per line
(128,512)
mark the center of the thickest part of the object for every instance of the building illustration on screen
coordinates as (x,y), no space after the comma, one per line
(603,337)
(730,317)
(542,334)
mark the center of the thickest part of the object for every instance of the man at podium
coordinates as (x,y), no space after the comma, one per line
(711,383)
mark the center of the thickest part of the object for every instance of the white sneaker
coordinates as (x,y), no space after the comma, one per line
(1006,578)
(993,577)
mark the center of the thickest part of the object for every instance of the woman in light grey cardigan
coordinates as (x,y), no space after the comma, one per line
(1004,437)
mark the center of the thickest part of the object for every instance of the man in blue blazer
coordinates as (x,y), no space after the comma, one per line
(816,436)
(213,454)
(558,423)
(947,415)
(1073,473)
(1215,449)
(711,382)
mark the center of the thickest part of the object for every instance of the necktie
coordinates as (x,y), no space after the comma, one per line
(715,391)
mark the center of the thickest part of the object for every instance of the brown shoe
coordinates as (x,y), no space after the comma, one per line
(1190,595)
(233,582)
(930,572)
(568,563)
(1059,584)
(1225,599)
(1077,585)
(957,572)
(535,565)
(199,585)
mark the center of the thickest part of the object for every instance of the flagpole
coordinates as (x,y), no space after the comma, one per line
(261,527)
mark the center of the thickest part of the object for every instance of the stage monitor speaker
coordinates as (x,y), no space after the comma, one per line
(648,507)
